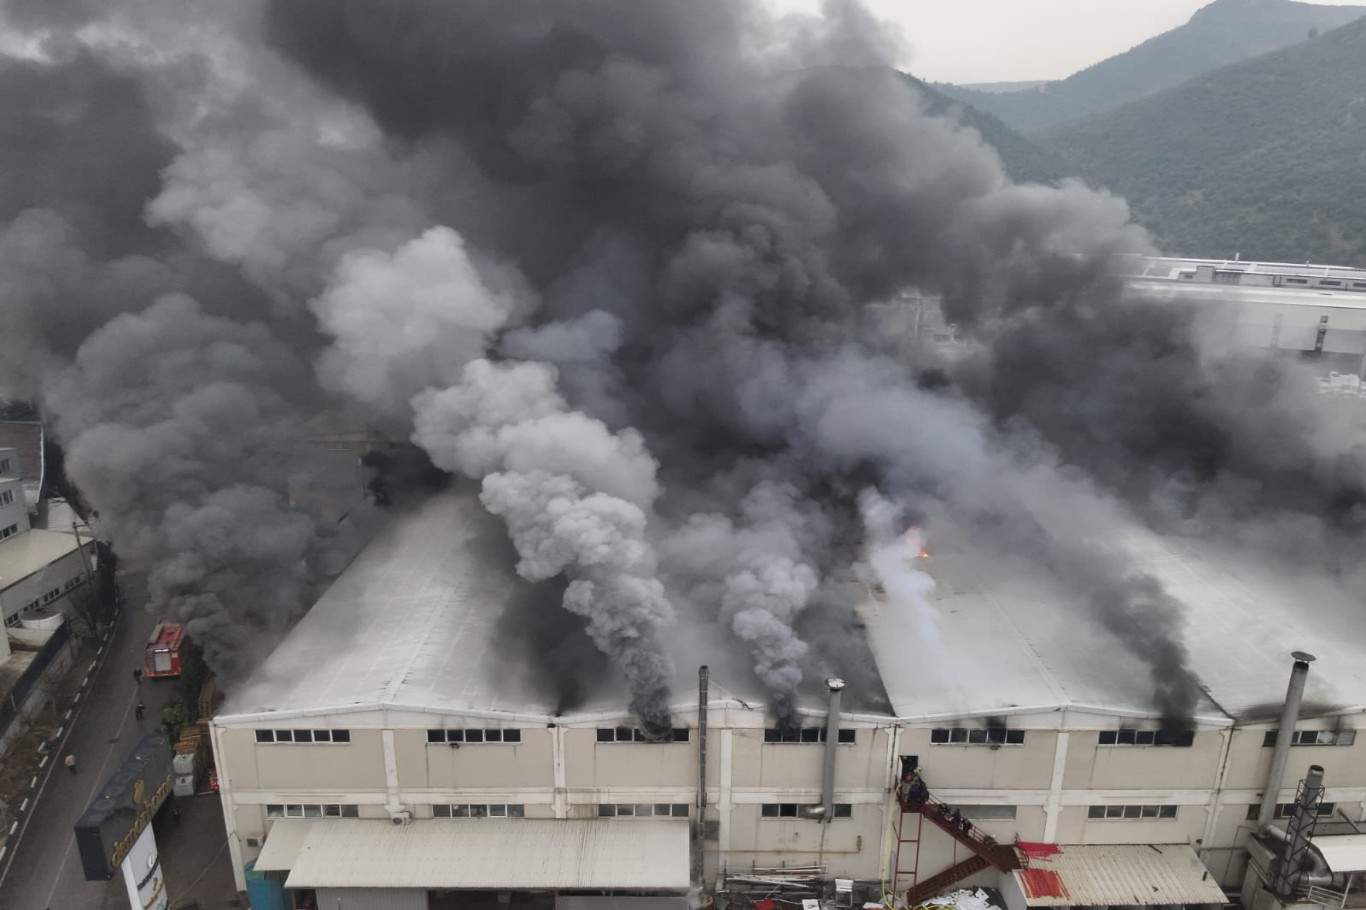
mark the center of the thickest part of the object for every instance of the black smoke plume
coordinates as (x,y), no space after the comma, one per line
(612,260)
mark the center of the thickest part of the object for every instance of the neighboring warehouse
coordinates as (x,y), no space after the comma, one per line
(400,750)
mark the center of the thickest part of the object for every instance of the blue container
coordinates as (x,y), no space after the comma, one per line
(265,890)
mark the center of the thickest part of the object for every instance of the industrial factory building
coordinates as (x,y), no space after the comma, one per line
(396,751)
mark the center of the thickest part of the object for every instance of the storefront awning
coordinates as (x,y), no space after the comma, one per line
(1117,876)
(283,843)
(1343,852)
(491,853)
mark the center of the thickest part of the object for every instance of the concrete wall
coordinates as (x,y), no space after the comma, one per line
(847,844)
(1051,779)
(1091,766)
(373,898)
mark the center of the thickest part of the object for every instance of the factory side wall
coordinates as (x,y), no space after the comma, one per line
(1093,766)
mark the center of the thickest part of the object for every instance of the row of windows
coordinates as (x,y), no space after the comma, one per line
(9,531)
(1285,810)
(303,736)
(636,735)
(306,810)
(6,496)
(479,810)
(12,620)
(643,810)
(802,810)
(977,736)
(807,735)
(1313,738)
(1184,738)
(491,735)
(1131,812)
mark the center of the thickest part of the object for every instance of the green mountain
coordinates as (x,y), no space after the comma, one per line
(1266,158)
(1222,33)
(1025,161)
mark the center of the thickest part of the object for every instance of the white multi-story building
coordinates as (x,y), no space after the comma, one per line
(39,570)
(402,747)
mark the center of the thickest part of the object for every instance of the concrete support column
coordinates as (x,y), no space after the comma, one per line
(559,801)
(391,800)
(1053,808)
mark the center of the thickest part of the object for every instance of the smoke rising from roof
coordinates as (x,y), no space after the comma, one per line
(611,260)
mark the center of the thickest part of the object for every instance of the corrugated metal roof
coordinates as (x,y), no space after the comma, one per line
(283,843)
(1119,876)
(1010,638)
(494,853)
(1343,852)
(427,616)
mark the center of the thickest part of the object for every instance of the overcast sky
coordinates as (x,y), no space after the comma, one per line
(1008,40)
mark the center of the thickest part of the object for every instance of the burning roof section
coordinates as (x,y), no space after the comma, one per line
(431,617)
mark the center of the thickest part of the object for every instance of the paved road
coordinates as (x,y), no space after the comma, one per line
(47,869)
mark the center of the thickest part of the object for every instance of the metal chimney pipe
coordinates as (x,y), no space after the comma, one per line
(700,823)
(1285,734)
(832,740)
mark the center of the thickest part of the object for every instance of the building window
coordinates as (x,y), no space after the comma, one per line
(977,736)
(479,810)
(1131,812)
(1329,283)
(642,810)
(1285,810)
(6,496)
(986,813)
(1313,738)
(9,531)
(807,735)
(1184,738)
(303,736)
(12,620)
(474,736)
(635,735)
(802,810)
(52,595)
(4,465)
(1295,280)
(309,810)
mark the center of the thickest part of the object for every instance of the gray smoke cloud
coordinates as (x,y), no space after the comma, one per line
(612,261)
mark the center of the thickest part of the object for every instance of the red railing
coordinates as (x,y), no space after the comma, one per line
(1002,856)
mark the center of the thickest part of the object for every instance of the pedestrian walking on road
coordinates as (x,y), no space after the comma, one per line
(140,710)
(137,675)
(70,762)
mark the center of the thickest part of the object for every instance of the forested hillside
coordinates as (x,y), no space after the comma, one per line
(1266,158)
(1222,33)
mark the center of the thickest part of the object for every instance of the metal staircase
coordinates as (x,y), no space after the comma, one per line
(986,851)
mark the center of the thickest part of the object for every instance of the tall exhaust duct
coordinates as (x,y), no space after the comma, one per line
(700,824)
(832,740)
(1299,865)
(1290,713)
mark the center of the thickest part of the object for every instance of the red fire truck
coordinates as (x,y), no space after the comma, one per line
(163,650)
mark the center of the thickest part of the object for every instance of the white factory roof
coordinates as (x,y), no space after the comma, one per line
(492,853)
(426,619)
(1006,638)
(29,552)
(1118,876)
